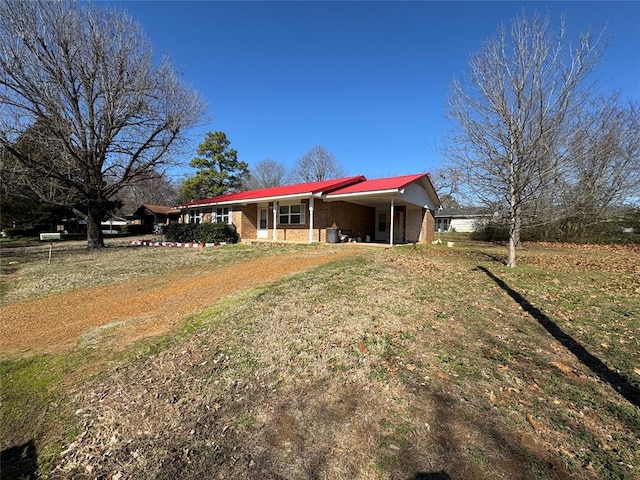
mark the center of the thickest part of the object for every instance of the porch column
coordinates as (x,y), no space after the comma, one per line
(275,218)
(311,220)
(391,225)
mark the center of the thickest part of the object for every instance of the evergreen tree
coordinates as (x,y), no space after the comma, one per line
(219,170)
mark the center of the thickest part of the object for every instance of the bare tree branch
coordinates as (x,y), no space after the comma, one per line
(86,76)
(316,165)
(266,173)
(511,113)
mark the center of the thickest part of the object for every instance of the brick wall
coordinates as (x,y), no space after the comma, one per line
(245,220)
(428,226)
(358,219)
(298,233)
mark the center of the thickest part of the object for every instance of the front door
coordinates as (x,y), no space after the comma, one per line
(263,223)
(382,226)
(399,225)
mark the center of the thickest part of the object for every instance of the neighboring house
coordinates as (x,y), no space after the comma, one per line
(113,225)
(77,226)
(462,219)
(390,210)
(150,217)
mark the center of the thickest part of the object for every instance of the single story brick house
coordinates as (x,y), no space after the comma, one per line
(386,210)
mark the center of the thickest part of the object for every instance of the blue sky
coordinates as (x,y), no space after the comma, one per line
(366,80)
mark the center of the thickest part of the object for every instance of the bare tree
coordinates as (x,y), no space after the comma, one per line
(266,173)
(154,188)
(605,158)
(316,165)
(86,77)
(602,171)
(449,184)
(19,180)
(513,110)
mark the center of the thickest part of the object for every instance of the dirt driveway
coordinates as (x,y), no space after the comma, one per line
(136,309)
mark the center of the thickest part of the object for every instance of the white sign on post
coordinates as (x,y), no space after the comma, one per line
(50,236)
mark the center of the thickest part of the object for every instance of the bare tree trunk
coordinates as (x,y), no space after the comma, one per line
(95,239)
(514,231)
(511,258)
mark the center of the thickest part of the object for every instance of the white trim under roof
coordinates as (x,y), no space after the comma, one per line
(246,201)
(339,196)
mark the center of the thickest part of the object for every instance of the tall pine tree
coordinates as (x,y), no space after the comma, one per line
(219,170)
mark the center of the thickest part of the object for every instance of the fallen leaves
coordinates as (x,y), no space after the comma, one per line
(482,369)
(534,387)
(562,367)
(603,258)
(533,422)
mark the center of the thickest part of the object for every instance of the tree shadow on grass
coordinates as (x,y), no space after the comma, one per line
(618,382)
(475,444)
(431,476)
(19,462)
(492,257)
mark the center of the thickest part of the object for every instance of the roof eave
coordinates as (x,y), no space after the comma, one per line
(245,201)
(426,180)
(339,196)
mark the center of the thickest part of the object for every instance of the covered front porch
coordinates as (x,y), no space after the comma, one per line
(371,220)
(308,219)
(403,207)
(393,222)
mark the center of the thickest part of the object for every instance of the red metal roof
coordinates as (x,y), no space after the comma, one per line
(324,187)
(380,184)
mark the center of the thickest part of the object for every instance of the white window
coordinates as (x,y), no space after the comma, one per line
(291,215)
(195,216)
(221,215)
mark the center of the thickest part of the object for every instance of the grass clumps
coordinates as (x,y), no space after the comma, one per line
(399,363)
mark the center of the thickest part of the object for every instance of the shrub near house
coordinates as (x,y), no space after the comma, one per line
(202,232)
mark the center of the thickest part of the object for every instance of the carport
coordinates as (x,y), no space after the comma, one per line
(404,206)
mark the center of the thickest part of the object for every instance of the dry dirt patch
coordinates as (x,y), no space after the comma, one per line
(140,308)
(403,363)
(344,379)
